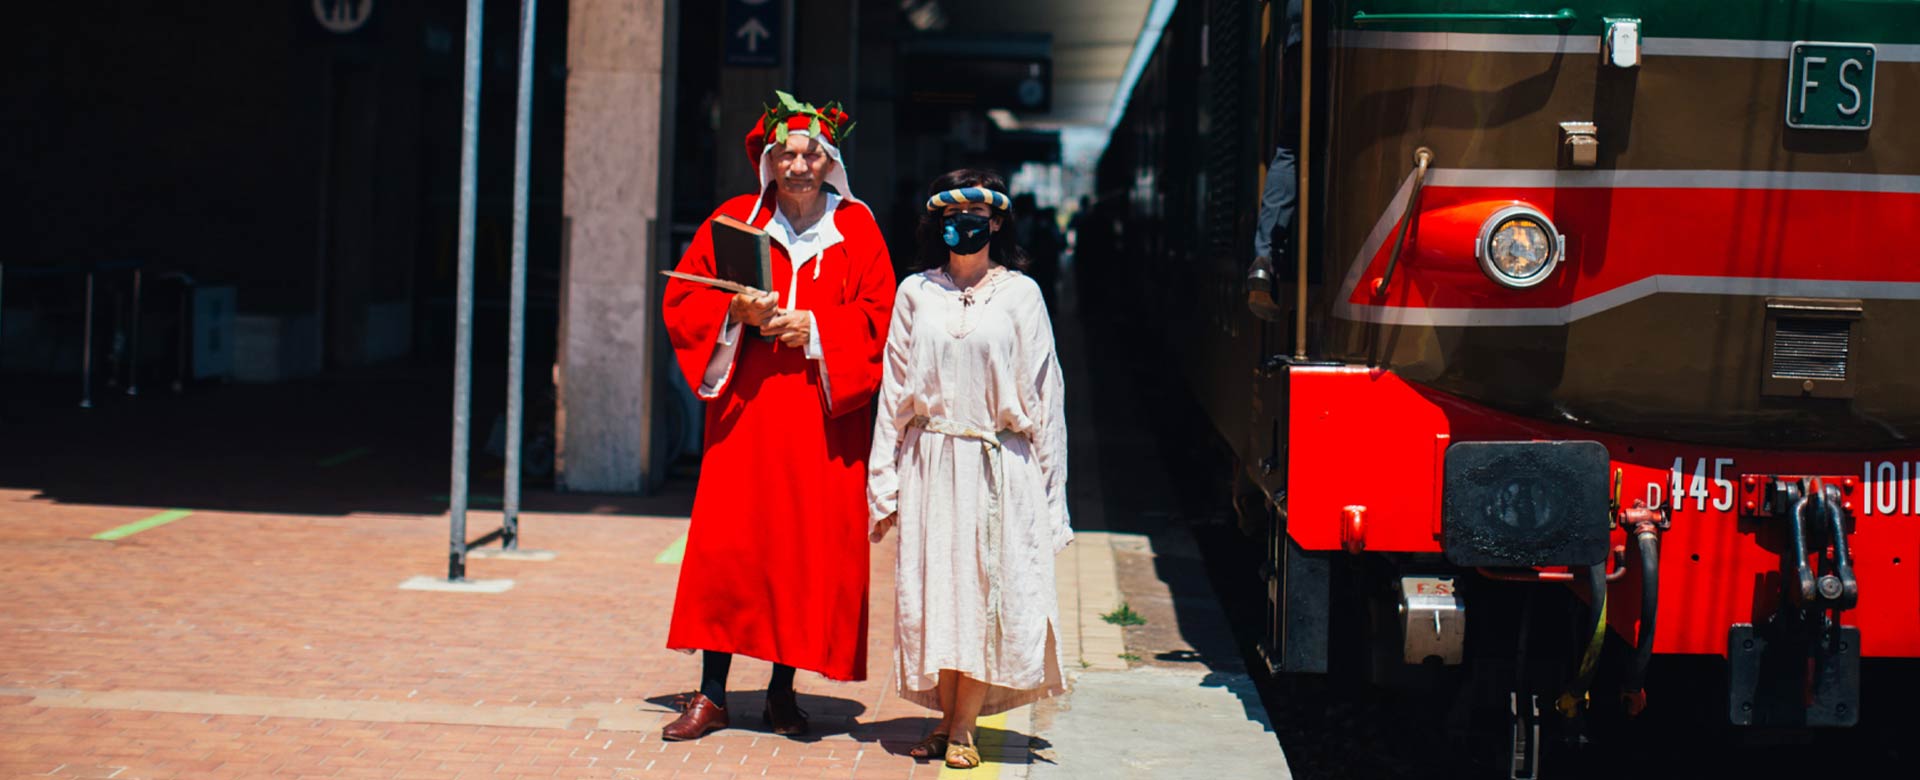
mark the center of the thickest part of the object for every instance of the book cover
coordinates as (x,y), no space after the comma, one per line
(741,253)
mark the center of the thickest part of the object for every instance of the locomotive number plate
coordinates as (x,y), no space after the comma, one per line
(1830,86)
(1888,488)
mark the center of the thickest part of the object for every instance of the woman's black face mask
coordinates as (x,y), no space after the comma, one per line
(966,233)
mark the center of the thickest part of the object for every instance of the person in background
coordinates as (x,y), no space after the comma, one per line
(1094,246)
(1078,220)
(1273,234)
(1050,244)
(1039,236)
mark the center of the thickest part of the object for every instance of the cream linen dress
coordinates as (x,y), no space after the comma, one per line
(970,446)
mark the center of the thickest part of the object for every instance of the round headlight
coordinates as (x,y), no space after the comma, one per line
(1519,247)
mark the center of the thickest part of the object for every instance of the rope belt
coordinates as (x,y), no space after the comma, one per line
(991,446)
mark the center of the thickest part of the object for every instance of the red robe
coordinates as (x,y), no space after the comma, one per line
(776,558)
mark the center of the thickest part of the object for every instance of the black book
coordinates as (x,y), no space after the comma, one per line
(742,254)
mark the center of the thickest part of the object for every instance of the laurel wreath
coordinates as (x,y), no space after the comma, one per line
(832,115)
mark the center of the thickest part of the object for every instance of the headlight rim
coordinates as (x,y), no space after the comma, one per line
(1483,247)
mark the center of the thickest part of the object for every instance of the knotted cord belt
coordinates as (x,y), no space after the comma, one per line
(991,446)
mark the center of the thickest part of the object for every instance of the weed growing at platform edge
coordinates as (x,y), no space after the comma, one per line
(1124,616)
(1130,658)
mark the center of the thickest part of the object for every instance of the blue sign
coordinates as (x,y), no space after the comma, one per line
(753,33)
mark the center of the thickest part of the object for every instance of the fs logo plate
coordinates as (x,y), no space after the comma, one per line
(1830,86)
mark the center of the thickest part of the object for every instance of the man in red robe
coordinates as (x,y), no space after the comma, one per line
(776,559)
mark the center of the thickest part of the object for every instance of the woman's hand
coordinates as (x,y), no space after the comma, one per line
(792,328)
(751,309)
(880,530)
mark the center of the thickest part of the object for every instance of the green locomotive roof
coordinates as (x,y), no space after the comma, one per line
(1862,21)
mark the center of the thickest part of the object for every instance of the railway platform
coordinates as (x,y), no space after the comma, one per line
(262,630)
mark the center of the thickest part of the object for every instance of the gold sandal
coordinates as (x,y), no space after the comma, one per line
(962,756)
(934,746)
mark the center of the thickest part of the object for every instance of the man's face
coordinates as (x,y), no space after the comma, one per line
(801,165)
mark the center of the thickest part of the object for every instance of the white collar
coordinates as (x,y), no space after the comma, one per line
(802,247)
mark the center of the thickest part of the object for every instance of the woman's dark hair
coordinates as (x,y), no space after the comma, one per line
(932,252)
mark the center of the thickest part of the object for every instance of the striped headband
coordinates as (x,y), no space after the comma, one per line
(969,195)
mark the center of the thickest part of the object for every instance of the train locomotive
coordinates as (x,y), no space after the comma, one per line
(1611,300)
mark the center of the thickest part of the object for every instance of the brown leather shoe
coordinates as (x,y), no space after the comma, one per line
(784,715)
(700,717)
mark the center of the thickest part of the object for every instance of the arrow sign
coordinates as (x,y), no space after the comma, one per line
(754,33)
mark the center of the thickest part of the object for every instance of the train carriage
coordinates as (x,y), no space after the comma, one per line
(1616,299)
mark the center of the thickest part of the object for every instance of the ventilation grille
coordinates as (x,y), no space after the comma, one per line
(1810,349)
(1228,165)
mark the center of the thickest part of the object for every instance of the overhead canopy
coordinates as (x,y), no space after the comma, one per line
(1092,42)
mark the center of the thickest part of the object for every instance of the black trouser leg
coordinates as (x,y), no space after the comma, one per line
(782,681)
(713,676)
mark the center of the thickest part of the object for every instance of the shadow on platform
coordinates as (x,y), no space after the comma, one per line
(372,441)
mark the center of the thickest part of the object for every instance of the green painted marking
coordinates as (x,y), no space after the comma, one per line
(343,457)
(674,552)
(152,522)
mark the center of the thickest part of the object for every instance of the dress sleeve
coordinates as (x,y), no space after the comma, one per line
(818,355)
(1046,404)
(696,320)
(895,410)
(852,333)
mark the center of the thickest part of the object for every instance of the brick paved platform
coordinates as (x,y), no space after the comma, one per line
(248,645)
(265,634)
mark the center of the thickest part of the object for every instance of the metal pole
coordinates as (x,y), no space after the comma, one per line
(86,350)
(186,336)
(3,308)
(1305,197)
(133,350)
(517,297)
(463,298)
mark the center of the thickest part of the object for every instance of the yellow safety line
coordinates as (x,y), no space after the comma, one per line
(989,733)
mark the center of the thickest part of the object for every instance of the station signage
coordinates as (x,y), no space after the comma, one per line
(342,16)
(1830,86)
(753,34)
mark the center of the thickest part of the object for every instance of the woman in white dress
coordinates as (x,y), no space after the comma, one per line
(970,463)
